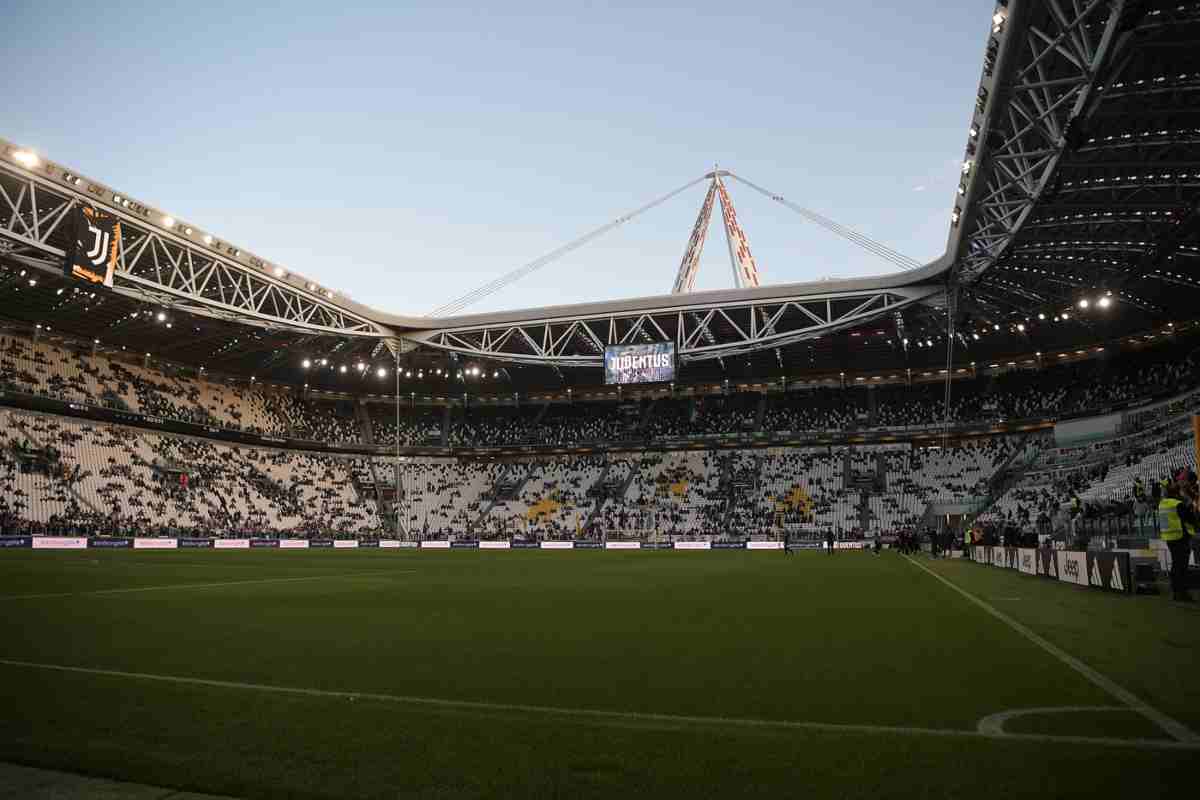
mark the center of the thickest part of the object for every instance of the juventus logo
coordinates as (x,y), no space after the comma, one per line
(99,251)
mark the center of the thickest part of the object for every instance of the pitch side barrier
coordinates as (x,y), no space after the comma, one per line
(189,543)
(1099,570)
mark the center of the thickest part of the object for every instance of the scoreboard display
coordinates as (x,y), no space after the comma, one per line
(639,363)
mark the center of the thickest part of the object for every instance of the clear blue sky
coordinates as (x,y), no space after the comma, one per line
(404,154)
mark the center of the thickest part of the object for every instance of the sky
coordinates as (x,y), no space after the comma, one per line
(405,154)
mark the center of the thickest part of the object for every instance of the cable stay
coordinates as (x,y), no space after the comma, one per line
(852,236)
(490,288)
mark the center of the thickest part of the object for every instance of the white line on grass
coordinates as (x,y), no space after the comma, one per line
(1172,726)
(994,723)
(608,717)
(217,585)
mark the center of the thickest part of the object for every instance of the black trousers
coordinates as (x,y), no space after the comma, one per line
(1180,550)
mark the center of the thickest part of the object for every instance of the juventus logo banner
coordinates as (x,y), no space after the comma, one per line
(93,254)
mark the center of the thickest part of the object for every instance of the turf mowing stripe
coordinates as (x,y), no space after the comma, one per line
(1173,727)
(609,717)
(205,585)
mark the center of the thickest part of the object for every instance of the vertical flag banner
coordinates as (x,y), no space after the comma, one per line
(93,254)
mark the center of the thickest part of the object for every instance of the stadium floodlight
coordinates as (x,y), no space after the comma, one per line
(1066,316)
(1021,327)
(360,366)
(342,369)
(26,158)
(168,222)
(995,327)
(976,336)
(324,361)
(279,272)
(381,372)
(187,231)
(161,317)
(1104,302)
(496,374)
(408,374)
(973,132)
(33,281)
(421,374)
(310,286)
(306,363)
(1083,303)
(966,167)
(1041,316)
(208,239)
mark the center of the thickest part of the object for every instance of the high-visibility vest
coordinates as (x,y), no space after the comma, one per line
(1170,524)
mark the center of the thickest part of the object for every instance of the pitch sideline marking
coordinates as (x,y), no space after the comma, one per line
(993,724)
(603,716)
(1176,729)
(203,585)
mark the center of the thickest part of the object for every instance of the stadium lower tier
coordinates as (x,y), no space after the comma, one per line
(65,476)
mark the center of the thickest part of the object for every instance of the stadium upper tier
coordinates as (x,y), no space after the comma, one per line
(147,392)
(1076,220)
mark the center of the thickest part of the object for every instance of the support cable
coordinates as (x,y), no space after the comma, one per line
(850,235)
(487,289)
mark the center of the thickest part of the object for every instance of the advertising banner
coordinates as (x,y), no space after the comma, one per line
(368,543)
(764,545)
(557,545)
(1047,564)
(848,545)
(320,543)
(524,544)
(589,545)
(639,363)
(728,545)
(256,543)
(656,545)
(345,544)
(293,544)
(622,545)
(196,543)
(155,544)
(60,543)
(1072,567)
(231,544)
(1027,560)
(464,544)
(103,542)
(389,544)
(693,546)
(435,544)
(16,541)
(501,545)
(1111,571)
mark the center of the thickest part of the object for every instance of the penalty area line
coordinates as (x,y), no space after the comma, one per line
(1173,727)
(217,585)
(602,717)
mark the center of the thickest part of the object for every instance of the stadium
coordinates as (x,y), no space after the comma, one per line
(907,535)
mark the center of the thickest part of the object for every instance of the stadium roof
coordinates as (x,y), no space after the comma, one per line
(1080,187)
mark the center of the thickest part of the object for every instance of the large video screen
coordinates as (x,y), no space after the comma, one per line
(639,363)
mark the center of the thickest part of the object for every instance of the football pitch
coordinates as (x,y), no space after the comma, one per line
(345,674)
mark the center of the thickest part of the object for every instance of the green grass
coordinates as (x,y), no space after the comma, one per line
(847,639)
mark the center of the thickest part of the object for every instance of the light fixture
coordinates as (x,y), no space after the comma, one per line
(995,327)
(1066,316)
(169,222)
(208,239)
(161,316)
(26,158)
(1104,302)
(1041,316)
(342,369)
(1021,327)
(381,372)
(278,271)
(324,361)
(306,363)
(976,335)
(1083,303)
(187,231)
